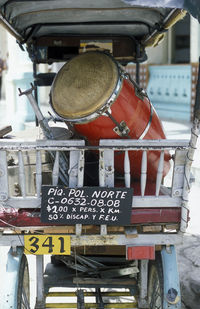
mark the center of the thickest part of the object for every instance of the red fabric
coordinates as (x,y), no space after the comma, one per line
(21,218)
(155,215)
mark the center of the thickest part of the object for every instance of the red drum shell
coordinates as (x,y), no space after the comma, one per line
(136,113)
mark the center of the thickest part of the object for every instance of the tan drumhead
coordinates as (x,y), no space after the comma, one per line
(83,85)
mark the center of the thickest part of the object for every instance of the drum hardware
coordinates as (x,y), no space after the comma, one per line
(106,114)
(121,128)
(149,123)
(41,119)
(51,117)
(69,129)
(110,106)
(139,92)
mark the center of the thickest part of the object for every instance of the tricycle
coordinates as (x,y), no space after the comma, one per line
(103,192)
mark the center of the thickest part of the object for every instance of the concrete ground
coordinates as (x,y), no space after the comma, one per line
(189,252)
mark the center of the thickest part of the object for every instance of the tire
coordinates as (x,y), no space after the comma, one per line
(23,292)
(55,261)
(155,285)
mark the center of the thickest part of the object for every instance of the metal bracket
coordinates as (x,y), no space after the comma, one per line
(122,129)
(139,92)
(172,296)
(99,299)
(40,301)
(78,229)
(28,91)
(142,301)
(9,272)
(80,299)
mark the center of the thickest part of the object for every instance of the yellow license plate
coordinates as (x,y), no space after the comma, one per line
(47,244)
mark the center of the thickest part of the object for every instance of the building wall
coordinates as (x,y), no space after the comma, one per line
(194,40)
(18,75)
(165,53)
(181,41)
(3,42)
(3,53)
(158,54)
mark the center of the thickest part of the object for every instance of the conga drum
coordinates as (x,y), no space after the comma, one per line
(92,92)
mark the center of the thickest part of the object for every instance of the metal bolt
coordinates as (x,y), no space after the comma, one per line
(184,204)
(1,172)
(3,196)
(176,193)
(109,169)
(73,172)
(168,249)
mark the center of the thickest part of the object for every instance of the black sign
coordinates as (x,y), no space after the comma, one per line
(88,205)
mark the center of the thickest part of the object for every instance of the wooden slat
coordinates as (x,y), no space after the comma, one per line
(152,229)
(109,167)
(81,168)
(38,173)
(135,144)
(24,202)
(78,229)
(73,168)
(154,202)
(104,281)
(160,173)
(3,176)
(143,172)
(101,169)
(130,305)
(156,215)
(103,227)
(55,173)
(87,293)
(22,177)
(98,240)
(127,173)
(80,182)
(178,172)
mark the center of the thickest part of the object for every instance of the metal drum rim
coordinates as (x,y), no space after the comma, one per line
(107,104)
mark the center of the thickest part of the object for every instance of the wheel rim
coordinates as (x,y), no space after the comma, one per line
(155,294)
(23,288)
